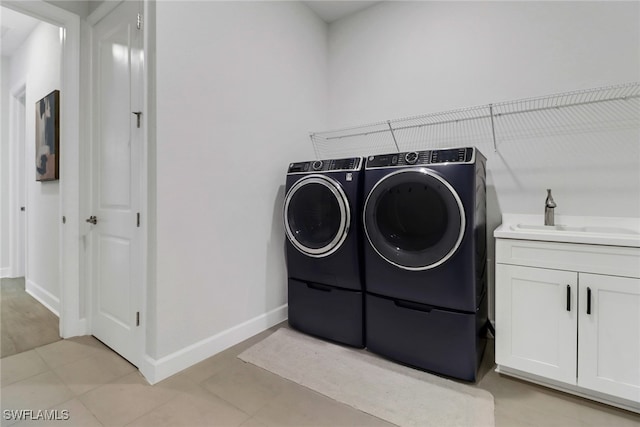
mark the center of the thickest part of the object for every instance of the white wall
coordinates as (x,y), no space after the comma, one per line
(38,63)
(4,168)
(238,89)
(81,8)
(400,59)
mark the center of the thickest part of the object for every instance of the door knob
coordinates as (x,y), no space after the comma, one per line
(92,219)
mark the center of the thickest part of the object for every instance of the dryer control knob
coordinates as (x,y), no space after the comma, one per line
(411,157)
(317,165)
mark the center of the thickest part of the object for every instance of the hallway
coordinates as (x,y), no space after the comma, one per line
(24,323)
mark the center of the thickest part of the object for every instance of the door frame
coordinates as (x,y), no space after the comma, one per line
(17,166)
(145,364)
(74,193)
(72,321)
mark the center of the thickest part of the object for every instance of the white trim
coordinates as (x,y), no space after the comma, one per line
(70,122)
(148,124)
(43,296)
(5,272)
(101,11)
(155,370)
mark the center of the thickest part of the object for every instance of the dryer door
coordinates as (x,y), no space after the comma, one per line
(414,219)
(316,215)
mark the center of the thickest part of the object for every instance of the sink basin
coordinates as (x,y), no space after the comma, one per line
(570,229)
(610,231)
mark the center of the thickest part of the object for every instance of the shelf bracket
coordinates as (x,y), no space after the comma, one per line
(314,145)
(493,129)
(393,135)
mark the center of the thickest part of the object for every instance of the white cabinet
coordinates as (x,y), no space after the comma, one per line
(609,335)
(559,321)
(534,330)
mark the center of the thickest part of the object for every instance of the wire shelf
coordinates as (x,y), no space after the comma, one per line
(592,110)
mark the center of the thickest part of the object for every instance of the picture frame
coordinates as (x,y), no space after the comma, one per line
(47,140)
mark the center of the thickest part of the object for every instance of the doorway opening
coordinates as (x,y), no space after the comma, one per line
(31,284)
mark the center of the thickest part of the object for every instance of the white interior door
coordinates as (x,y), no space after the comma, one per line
(18,251)
(21,190)
(17,191)
(115,236)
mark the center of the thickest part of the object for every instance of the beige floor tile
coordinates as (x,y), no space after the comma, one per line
(299,406)
(242,346)
(70,350)
(21,366)
(78,415)
(124,400)
(516,397)
(520,402)
(509,418)
(530,416)
(42,391)
(245,386)
(253,422)
(204,370)
(193,409)
(26,323)
(93,371)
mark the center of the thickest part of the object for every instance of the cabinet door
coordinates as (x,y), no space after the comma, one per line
(536,321)
(609,335)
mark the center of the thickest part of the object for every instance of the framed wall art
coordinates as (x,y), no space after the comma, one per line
(48,137)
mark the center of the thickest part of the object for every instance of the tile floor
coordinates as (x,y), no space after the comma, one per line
(24,322)
(97,387)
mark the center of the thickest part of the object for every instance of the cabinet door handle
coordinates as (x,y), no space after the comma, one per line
(588,300)
(568,297)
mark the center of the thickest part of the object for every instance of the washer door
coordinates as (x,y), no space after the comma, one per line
(316,215)
(414,219)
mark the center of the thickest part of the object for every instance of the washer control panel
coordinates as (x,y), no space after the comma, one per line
(428,157)
(331,165)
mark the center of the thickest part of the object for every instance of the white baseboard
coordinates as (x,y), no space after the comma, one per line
(155,370)
(5,272)
(74,328)
(44,297)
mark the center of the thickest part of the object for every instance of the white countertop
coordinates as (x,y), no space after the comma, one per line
(611,231)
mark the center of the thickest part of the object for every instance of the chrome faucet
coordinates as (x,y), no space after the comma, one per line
(549,206)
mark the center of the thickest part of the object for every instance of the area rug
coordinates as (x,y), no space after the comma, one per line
(392,392)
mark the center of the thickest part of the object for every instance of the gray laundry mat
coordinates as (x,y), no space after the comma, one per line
(392,392)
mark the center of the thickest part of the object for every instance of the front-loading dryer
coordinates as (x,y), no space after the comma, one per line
(424,219)
(322,223)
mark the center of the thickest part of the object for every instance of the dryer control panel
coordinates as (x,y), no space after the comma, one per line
(411,158)
(330,165)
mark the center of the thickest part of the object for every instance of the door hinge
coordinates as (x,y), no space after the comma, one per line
(138,219)
(139,24)
(137,318)
(138,114)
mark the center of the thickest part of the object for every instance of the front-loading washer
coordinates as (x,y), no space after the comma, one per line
(424,219)
(323,225)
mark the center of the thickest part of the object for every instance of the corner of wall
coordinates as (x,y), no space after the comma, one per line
(155,370)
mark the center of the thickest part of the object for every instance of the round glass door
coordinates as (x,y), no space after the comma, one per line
(316,215)
(414,219)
